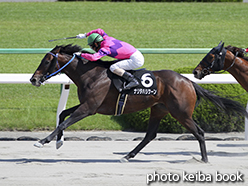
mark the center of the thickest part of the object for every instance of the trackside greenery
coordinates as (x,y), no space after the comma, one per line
(142,24)
(209,118)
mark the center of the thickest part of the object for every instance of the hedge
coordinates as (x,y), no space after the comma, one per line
(207,116)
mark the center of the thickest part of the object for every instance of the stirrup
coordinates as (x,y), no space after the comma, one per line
(131,84)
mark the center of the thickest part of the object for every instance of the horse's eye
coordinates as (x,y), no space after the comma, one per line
(210,58)
(46,62)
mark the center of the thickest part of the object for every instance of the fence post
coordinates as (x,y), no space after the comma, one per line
(65,89)
(63,100)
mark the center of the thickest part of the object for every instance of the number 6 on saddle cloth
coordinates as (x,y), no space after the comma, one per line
(147,86)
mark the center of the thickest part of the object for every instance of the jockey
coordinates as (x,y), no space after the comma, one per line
(246,50)
(128,57)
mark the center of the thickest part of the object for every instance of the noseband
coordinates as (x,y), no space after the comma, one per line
(50,72)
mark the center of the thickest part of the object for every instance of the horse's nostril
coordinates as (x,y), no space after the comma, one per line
(194,72)
(33,80)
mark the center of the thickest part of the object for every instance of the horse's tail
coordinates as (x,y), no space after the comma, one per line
(228,105)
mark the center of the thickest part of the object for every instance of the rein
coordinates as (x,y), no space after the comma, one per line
(60,69)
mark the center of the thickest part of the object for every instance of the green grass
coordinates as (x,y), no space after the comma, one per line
(145,25)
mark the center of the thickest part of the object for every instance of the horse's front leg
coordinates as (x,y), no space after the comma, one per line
(48,139)
(62,116)
(76,116)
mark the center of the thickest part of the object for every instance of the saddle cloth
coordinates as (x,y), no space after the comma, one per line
(148,86)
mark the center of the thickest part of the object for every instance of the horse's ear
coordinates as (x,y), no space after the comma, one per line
(222,46)
(220,43)
(57,49)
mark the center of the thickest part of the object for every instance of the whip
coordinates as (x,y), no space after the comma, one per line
(63,38)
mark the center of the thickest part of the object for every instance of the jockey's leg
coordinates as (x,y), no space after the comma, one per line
(136,60)
(132,81)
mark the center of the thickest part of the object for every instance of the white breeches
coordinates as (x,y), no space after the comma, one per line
(136,60)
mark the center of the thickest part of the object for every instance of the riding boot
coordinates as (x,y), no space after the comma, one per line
(132,81)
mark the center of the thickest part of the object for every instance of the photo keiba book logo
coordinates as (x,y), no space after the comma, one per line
(195,177)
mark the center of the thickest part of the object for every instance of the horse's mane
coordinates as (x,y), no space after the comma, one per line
(239,51)
(70,49)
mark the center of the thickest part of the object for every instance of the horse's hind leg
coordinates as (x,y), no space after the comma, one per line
(200,137)
(190,125)
(181,107)
(157,113)
(62,117)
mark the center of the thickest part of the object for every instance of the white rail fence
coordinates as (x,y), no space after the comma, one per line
(59,79)
(65,81)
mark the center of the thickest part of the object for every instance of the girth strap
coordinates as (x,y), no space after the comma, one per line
(120,104)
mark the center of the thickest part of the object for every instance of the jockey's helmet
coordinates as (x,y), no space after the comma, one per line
(94,38)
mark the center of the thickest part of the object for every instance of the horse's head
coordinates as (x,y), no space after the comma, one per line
(213,61)
(47,66)
(54,62)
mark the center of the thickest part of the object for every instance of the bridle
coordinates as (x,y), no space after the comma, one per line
(52,66)
(217,64)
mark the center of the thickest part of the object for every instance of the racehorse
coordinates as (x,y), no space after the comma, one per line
(176,95)
(230,58)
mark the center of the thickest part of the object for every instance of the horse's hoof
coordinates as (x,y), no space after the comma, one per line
(59,144)
(38,145)
(124,160)
(205,160)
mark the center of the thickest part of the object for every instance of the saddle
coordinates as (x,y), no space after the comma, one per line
(147,86)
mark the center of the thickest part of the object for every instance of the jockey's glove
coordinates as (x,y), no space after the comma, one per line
(78,54)
(81,36)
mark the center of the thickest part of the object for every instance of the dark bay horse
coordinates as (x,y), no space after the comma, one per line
(176,95)
(230,58)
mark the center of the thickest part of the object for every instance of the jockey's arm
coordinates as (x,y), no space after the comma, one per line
(94,57)
(98,31)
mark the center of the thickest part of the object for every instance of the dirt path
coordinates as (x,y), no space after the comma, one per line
(97,163)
